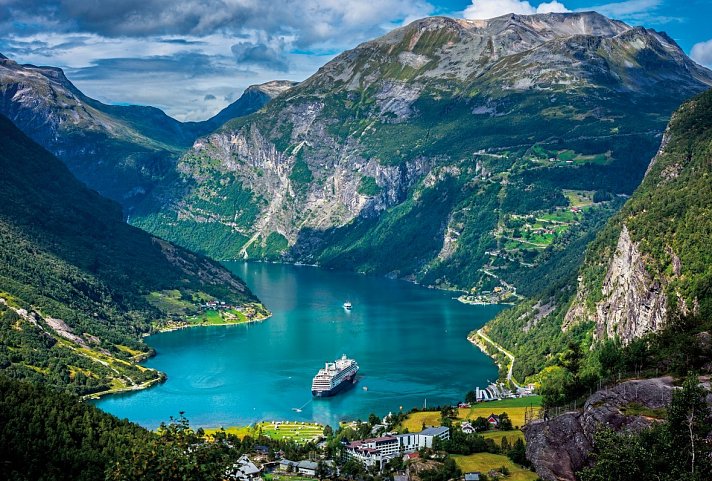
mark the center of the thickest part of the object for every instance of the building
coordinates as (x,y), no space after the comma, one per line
(243,470)
(377,451)
(467,428)
(472,476)
(307,468)
(493,419)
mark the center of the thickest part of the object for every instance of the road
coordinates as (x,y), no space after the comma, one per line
(486,338)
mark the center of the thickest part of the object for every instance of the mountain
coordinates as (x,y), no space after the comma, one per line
(123,152)
(78,286)
(646,281)
(453,153)
(252,99)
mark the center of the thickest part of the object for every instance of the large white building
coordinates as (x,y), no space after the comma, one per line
(376,451)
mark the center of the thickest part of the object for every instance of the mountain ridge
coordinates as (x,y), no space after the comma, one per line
(123,152)
(359,150)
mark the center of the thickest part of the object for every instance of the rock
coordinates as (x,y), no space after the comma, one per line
(557,448)
(633,302)
(560,447)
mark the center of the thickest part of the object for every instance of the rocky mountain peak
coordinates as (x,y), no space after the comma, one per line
(273,87)
(552,50)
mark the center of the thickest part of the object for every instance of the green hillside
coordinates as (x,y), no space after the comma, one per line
(669,223)
(78,286)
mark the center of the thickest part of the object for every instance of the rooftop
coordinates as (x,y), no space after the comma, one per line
(434,431)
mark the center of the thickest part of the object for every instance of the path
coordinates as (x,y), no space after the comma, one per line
(486,338)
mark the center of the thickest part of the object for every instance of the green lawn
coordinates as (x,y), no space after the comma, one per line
(216,318)
(483,462)
(295,431)
(579,198)
(497,436)
(285,477)
(515,408)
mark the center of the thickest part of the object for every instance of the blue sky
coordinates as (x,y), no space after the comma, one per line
(193,57)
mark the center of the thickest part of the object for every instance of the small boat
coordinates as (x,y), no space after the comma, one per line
(347,305)
(365,388)
(296,410)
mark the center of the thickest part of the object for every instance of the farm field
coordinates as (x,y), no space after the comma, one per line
(483,462)
(515,409)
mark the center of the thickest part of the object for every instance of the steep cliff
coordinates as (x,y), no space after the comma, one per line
(659,267)
(450,152)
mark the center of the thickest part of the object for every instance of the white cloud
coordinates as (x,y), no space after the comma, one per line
(552,7)
(171,54)
(702,53)
(484,9)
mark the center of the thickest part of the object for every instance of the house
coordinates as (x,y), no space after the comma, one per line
(467,428)
(243,470)
(259,449)
(493,419)
(401,477)
(287,466)
(307,468)
(472,476)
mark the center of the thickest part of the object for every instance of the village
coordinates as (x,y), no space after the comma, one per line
(471,441)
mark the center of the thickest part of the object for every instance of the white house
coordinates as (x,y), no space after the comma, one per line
(243,470)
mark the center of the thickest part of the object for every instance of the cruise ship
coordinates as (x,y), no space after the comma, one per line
(334,377)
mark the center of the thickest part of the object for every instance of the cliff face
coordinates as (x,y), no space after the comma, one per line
(559,447)
(647,268)
(658,268)
(633,302)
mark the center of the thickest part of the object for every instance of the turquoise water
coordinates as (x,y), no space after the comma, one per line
(409,341)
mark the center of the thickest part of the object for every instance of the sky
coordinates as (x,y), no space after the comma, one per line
(193,57)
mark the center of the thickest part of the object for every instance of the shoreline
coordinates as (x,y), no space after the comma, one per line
(188,325)
(477,339)
(136,387)
(162,377)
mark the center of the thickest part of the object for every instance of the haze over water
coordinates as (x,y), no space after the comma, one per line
(409,341)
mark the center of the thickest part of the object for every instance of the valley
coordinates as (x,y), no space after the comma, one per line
(518,203)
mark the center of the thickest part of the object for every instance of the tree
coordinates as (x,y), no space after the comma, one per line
(688,425)
(674,450)
(373,419)
(328,431)
(518,453)
(480,424)
(471,397)
(322,470)
(505,424)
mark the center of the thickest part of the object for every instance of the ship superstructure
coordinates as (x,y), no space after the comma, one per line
(334,377)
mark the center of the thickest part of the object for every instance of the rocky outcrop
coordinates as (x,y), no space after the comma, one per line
(559,447)
(634,303)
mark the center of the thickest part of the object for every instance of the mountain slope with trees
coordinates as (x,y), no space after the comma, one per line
(123,152)
(642,296)
(78,286)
